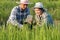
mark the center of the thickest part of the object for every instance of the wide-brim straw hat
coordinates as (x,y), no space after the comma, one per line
(24,2)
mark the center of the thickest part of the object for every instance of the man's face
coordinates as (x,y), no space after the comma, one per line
(23,6)
(38,11)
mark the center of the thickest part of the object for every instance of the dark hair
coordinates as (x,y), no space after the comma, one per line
(42,9)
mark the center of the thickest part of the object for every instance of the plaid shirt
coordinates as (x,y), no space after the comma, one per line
(17,15)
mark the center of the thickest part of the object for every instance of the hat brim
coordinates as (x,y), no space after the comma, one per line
(23,3)
(40,7)
(37,7)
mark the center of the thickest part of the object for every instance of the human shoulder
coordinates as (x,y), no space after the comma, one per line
(15,8)
(27,9)
(45,14)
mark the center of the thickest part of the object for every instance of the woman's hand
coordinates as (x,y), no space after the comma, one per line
(29,19)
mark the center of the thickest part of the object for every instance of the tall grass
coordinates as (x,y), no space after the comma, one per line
(11,32)
(37,33)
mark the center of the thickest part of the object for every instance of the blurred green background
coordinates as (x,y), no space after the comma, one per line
(52,6)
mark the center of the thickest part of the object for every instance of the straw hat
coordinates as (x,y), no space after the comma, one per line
(24,2)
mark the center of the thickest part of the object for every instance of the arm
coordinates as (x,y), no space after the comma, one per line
(12,18)
(48,20)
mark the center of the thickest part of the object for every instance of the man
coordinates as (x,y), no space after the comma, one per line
(41,15)
(19,13)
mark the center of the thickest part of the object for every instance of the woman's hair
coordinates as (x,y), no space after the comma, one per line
(42,9)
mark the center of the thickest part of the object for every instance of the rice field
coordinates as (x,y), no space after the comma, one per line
(10,32)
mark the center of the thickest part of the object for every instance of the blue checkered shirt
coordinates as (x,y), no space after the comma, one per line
(18,16)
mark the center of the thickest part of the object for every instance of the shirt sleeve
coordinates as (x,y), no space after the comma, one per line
(48,20)
(12,18)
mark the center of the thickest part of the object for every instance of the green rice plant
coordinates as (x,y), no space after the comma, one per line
(37,33)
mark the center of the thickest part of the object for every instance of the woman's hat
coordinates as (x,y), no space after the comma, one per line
(38,5)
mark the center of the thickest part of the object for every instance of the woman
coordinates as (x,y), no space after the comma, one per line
(41,16)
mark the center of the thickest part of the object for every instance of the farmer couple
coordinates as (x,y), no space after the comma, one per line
(21,14)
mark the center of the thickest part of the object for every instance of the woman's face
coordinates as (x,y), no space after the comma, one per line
(38,11)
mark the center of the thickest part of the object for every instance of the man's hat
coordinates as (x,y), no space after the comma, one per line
(24,2)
